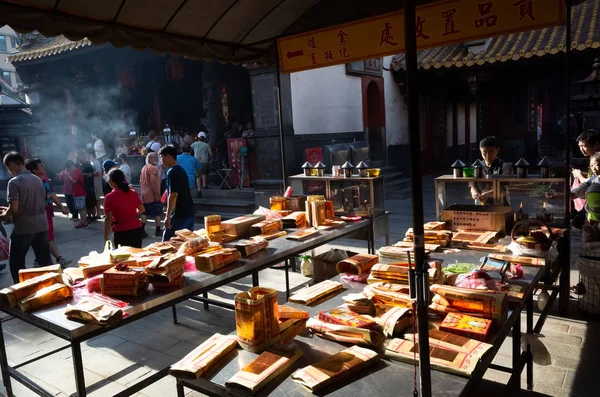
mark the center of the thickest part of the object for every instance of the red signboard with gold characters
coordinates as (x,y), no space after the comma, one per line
(437,24)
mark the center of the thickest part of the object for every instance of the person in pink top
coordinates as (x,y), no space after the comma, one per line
(150,186)
(68,190)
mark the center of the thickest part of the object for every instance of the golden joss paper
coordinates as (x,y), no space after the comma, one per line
(334,368)
(214,260)
(212,225)
(264,368)
(204,357)
(347,334)
(394,319)
(487,304)
(312,294)
(193,246)
(256,318)
(389,294)
(265,227)
(13,294)
(93,312)
(442,357)
(273,234)
(26,274)
(251,247)
(357,264)
(186,234)
(240,227)
(44,297)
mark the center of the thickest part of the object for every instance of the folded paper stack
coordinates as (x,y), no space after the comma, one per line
(391,255)
(264,368)
(194,246)
(92,311)
(240,227)
(273,234)
(398,273)
(10,296)
(265,227)
(370,337)
(389,294)
(26,274)
(358,264)
(256,318)
(250,247)
(393,319)
(435,237)
(214,260)
(167,269)
(212,225)
(334,368)
(123,280)
(303,234)
(294,220)
(479,303)
(318,291)
(161,247)
(358,303)
(343,316)
(204,357)
(45,296)
(292,321)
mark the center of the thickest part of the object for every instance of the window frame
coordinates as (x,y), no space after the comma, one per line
(3,38)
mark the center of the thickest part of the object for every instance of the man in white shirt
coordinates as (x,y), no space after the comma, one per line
(99,149)
(153,144)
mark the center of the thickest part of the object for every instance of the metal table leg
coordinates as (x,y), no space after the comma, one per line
(255,279)
(529,356)
(287,279)
(205,295)
(174,309)
(4,364)
(180,391)
(516,355)
(78,365)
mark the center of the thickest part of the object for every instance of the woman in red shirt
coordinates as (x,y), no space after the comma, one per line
(122,207)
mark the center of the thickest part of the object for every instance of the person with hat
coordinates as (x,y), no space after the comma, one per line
(202,152)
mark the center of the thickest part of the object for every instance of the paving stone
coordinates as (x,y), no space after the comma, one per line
(578,331)
(146,337)
(143,356)
(106,364)
(565,362)
(10,339)
(180,350)
(105,342)
(551,337)
(584,381)
(29,332)
(163,388)
(497,376)
(21,351)
(549,375)
(502,360)
(560,350)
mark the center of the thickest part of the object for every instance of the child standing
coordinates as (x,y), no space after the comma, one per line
(590,231)
(68,189)
(125,167)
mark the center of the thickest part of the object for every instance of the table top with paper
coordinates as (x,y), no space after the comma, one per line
(53,319)
(385,378)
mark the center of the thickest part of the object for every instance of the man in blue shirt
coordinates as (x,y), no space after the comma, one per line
(180,207)
(190,165)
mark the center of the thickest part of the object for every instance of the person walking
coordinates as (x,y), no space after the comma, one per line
(97,165)
(180,207)
(122,207)
(68,191)
(26,207)
(191,166)
(37,168)
(151,194)
(202,153)
(79,194)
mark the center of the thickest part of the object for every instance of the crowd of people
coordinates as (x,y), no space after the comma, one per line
(94,190)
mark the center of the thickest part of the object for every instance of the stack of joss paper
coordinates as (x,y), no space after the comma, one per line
(432,237)
(124,280)
(250,247)
(315,293)
(292,321)
(204,357)
(358,303)
(359,265)
(215,260)
(393,254)
(487,304)
(295,220)
(36,292)
(389,294)
(398,273)
(166,271)
(370,337)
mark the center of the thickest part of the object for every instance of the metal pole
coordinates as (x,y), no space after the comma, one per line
(279,107)
(422,276)
(565,274)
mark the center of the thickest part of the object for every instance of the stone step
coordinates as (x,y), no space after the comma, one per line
(392,177)
(233,194)
(199,216)
(401,194)
(221,206)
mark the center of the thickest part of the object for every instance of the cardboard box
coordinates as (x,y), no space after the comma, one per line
(476,217)
(240,227)
(324,265)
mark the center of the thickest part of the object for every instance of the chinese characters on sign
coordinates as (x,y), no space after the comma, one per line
(437,24)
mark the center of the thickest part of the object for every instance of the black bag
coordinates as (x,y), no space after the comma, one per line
(578,219)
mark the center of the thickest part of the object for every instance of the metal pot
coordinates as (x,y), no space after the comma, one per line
(478,172)
(347,172)
(545,172)
(320,172)
(363,173)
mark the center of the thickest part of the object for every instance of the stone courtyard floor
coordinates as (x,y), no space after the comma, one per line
(121,357)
